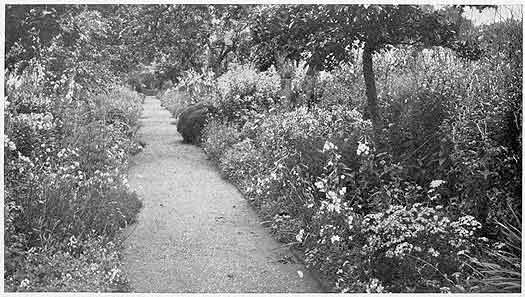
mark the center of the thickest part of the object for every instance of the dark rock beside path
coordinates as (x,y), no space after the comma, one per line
(192,120)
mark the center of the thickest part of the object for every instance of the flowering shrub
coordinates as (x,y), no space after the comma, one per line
(402,248)
(121,104)
(244,92)
(55,270)
(219,137)
(192,89)
(280,156)
(419,247)
(239,161)
(174,101)
(66,192)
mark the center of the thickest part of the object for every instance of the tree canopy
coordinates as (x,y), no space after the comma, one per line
(205,38)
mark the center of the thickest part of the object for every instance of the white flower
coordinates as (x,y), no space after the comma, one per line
(436,183)
(23,158)
(329,146)
(433,252)
(319,185)
(9,143)
(331,195)
(342,191)
(300,235)
(12,145)
(24,283)
(363,148)
(335,238)
(374,286)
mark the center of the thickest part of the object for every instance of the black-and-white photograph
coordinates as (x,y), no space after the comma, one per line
(262,148)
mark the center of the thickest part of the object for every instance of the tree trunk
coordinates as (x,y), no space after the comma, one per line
(311,78)
(286,90)
(285,73)
(217,61)
(314,65)
(372,111)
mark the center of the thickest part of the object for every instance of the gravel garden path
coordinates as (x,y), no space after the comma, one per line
(196,233)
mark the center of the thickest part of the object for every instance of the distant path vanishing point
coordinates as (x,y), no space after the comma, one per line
(196,233)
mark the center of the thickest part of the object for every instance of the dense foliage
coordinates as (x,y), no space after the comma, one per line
(382,141)
(423,208)
(69,129)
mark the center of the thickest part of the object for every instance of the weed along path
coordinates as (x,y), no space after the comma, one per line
(196,233)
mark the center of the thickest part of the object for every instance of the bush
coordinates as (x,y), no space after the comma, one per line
(418,247)
(121,104)
(174,101)
(52,269)
(240,161)
(244,92)
(218,138)
(192,121)
(280,154)
(192,89)
(66,190)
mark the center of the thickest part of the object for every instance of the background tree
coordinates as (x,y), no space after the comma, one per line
(183,37)
(229,35)
(30,28)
